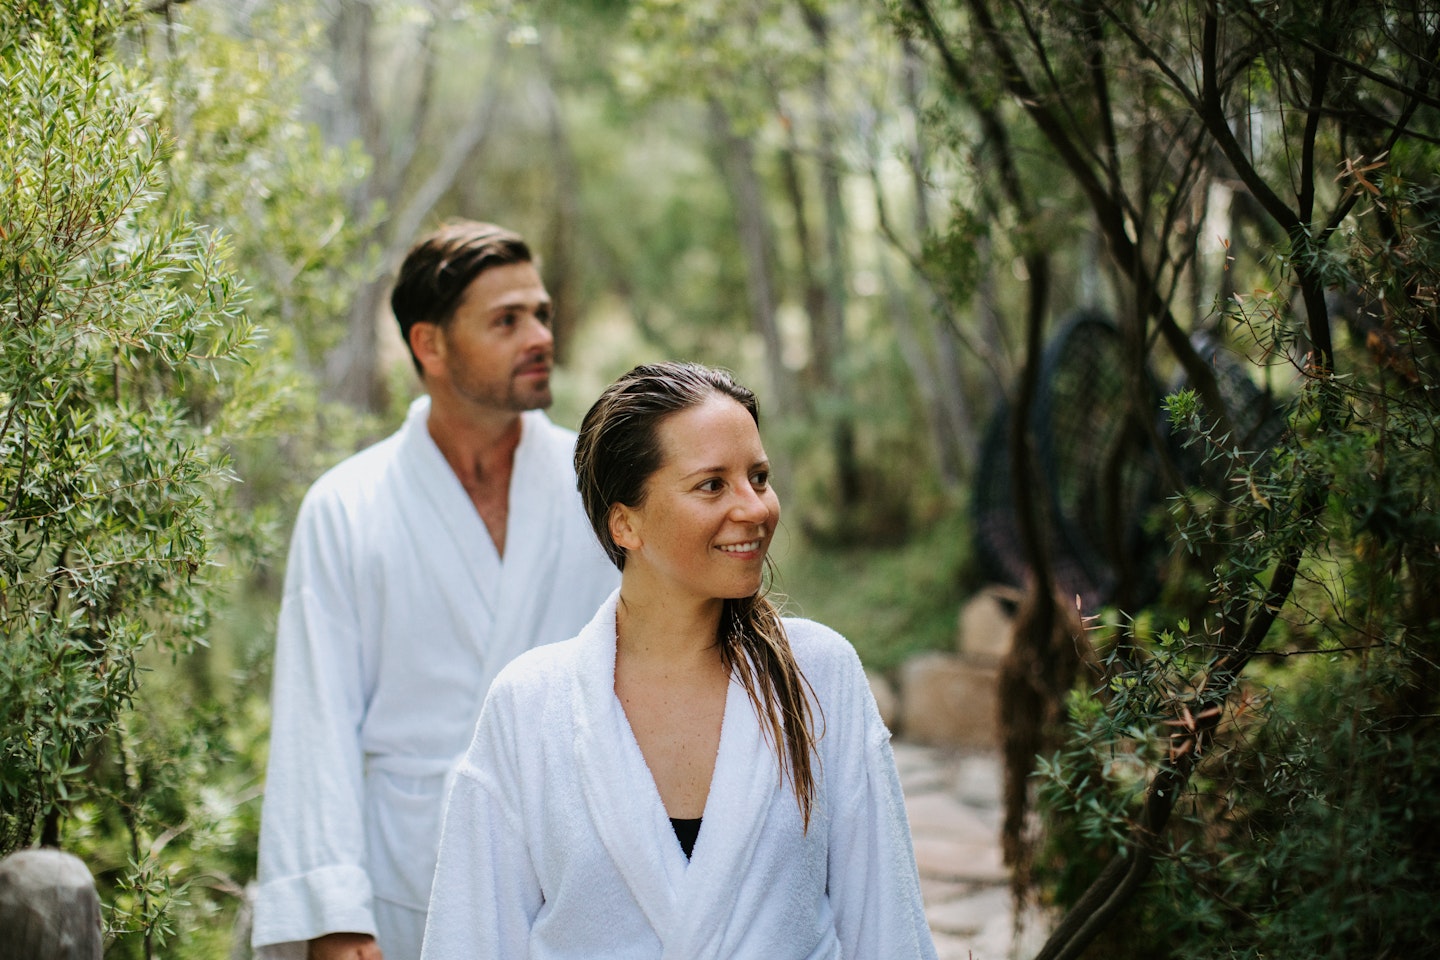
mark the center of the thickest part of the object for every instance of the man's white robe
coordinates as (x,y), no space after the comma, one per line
(556,843)
(398,612)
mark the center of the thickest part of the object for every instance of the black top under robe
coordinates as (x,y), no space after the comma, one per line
(686,831)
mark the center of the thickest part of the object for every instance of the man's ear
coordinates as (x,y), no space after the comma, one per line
(427,342)
(625,527)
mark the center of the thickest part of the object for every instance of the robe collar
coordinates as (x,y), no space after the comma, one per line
(689,905)
(510,597)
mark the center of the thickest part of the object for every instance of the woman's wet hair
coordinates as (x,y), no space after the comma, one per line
(619,446)
(618,451)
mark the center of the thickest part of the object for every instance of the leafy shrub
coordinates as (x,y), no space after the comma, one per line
(1307,827)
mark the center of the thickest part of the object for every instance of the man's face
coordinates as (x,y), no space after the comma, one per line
(497,350)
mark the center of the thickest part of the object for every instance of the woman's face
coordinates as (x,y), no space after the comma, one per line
(709,512)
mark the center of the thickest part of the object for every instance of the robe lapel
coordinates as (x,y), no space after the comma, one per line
(689,905)
(742,790)
(620,793)
(443,518)
(531,540)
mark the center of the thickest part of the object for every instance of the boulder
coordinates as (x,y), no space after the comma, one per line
(49,909)
(947,701)
(884,693)
(986,623)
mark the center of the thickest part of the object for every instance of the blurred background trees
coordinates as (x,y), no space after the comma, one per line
(961,249)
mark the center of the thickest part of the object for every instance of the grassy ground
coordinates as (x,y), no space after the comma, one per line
(889,601)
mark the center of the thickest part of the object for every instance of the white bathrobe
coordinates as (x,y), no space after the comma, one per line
(397,614)
(556,843)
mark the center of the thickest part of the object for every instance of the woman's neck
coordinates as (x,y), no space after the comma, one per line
(661,629)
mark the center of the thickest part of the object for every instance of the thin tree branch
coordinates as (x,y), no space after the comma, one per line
(917,265)
(1211,113)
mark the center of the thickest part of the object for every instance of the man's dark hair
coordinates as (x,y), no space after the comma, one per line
(441,266)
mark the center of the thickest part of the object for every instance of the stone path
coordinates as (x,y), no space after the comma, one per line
(953,800)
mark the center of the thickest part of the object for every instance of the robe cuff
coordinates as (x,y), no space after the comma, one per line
(328,900)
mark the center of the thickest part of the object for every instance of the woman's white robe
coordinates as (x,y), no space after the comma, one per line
(397,614)
(556,843)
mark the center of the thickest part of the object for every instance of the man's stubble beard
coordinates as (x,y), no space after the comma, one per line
(511,399)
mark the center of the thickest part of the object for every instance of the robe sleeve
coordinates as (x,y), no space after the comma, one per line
(486,893)
(873,882)
(312,869)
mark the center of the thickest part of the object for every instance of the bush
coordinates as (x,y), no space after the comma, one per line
(122,343)
(1308,826)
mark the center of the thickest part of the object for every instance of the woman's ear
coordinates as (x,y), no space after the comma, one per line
(625,527)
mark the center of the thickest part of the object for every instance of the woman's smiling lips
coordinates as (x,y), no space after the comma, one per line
(748,547)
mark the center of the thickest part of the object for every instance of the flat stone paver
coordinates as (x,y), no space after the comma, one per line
(942,814)
(952,798)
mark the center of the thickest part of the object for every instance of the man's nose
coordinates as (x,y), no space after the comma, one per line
(539,334)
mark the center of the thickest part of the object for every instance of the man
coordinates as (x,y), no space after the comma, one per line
(418,568)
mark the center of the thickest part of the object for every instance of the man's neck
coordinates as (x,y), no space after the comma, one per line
(474,442)
(480,448)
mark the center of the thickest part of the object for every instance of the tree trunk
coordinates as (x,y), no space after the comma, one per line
(956,435)
(558,253)
(829,339)
(757,245)
(353,372)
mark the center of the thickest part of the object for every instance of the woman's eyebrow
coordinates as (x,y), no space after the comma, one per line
(762,462)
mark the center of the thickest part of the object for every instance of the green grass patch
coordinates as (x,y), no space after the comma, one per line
(889,601)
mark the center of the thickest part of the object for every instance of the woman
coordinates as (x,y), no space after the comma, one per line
(687,712)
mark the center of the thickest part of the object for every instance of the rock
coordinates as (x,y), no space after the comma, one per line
(967,916)
(919,773)
(986,622)
(939,814)
(956,860)
(946,701)
(884,694)
(49,909)
(977,780)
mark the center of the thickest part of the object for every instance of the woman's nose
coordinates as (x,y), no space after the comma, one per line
(750,506)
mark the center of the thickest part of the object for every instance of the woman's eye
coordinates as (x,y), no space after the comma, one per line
(761,479)
(711,486)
